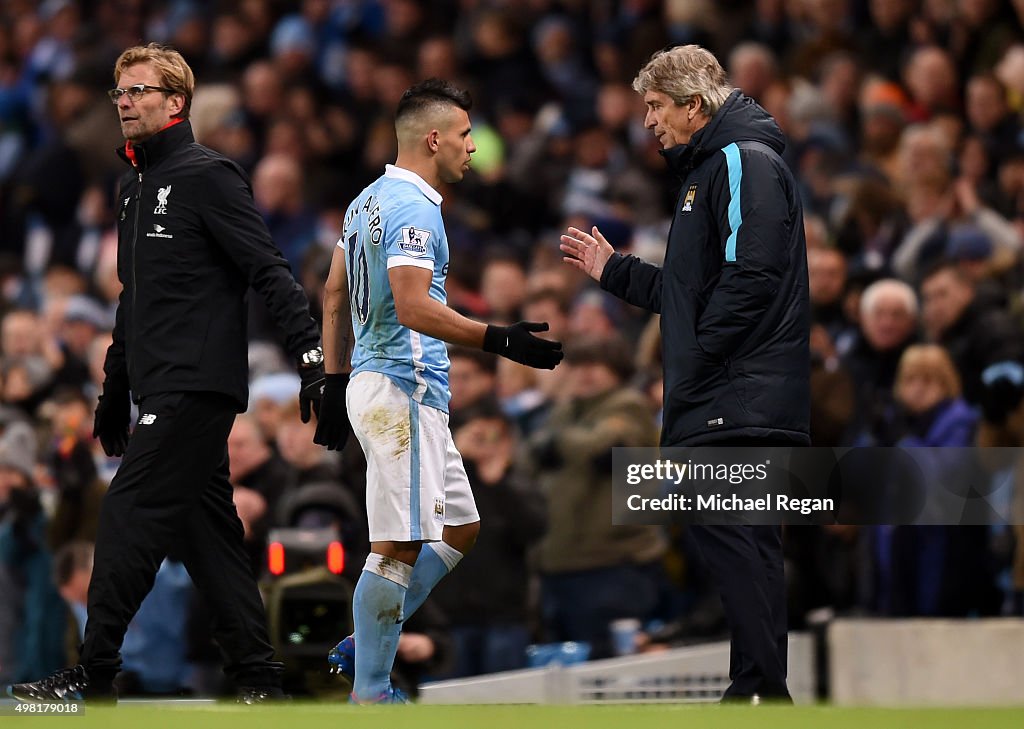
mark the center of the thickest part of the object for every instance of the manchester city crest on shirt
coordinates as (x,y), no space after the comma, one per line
(691,193)
(414,241)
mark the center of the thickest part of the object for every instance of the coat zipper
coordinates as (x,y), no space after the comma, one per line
(135,236)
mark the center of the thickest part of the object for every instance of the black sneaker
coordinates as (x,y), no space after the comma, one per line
(260,694)
(67,684)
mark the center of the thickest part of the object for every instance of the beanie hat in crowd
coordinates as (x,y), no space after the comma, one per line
(18,448)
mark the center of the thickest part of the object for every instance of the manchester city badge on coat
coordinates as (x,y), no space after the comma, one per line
(691,193)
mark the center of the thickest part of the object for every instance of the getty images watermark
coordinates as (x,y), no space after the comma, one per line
(781,485)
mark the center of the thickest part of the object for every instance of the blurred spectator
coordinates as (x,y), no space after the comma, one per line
(472,379)
(293,46)
(932,570)
(154,648)
(500,59)
(882,120)
(981,32)
(593,313)
(80,488)
(752,68)
(549,305)
(262,95)
(989,114)
(503,287)
(975,337)
(931,78)
(486,600)
(294,441)
(888,34)
(260,478)
(832,391)
(888,319)
(437,58)
(937,209)
(826,272)
(72,568)
(277,190)
(925,156)
(840,79)
(1002,428)
(928,389)
(424,648)
(273,398)
(593,572)
(32,609)
(770,24)
(563,64)
(83,319)
(28,360)
(824,28)
(232,47)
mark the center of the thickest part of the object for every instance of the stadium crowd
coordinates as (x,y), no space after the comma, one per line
(905,122)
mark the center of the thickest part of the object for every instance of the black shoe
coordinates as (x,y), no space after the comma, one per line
(260,694)
(760,699)
(67,684)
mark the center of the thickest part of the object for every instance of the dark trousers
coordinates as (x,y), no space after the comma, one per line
(172,494)
(746,564)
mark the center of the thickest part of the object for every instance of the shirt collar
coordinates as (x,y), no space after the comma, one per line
(400,173)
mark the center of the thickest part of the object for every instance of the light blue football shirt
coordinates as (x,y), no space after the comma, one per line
(396,221)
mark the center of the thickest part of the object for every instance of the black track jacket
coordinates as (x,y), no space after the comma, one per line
(190,243)
(733,290)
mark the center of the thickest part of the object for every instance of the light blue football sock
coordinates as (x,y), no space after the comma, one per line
(377,613)
(436,560)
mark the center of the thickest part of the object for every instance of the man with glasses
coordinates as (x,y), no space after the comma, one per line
(190,244)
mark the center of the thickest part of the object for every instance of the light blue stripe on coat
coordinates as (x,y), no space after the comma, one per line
(732,160)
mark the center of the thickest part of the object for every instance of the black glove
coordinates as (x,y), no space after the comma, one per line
(311,387)
(113,417)
(332,426)
(517,344)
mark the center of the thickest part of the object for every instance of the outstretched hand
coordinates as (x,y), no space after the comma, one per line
(517,343)
(589,253)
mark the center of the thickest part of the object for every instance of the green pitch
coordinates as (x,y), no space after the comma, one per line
(647,716)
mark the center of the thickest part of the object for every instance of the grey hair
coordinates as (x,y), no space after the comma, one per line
(684,72)
(888,287)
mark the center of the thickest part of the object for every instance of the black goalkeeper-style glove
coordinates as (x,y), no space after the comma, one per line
(311,388)
(332,427)
(517,344)
(113,417)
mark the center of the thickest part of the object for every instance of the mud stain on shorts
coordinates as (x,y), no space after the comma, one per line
(389,426)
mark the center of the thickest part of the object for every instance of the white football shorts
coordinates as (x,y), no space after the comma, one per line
(416,483)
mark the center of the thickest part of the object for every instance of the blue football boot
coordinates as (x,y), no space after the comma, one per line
(342,658)
(391,696)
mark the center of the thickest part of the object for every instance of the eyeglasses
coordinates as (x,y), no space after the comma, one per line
(136,92)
